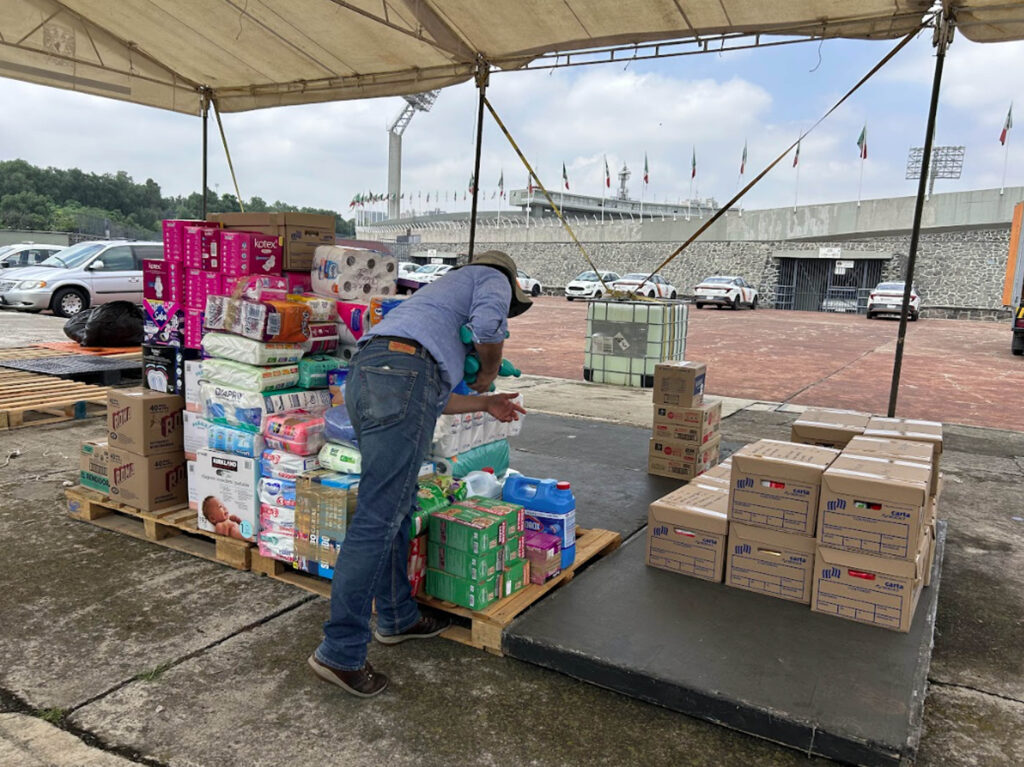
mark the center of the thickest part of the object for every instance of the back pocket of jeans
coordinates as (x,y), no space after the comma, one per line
(384,396)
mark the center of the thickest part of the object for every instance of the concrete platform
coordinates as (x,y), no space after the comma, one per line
(766,667)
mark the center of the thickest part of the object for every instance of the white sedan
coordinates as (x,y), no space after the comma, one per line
(655,286)
(887,299)
(429,273)
(527,283)
(586,285)
(725,291)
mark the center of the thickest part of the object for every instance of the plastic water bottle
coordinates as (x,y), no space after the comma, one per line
(483,483)
(550,508)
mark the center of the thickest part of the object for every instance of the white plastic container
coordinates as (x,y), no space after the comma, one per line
(482,484)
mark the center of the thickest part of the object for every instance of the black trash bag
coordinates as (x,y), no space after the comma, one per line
(116,324)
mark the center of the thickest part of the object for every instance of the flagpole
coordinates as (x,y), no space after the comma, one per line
(689,199)
(643,193)
(1006,159)
(604,186)
(860,183)
(796,186)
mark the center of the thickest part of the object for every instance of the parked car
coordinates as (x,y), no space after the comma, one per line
(527,283)
(840,304)
(78,277)
(586,285)
(887,298)
(406,267)
(26,254)
(429,273)
(1017,343)
(655,287)
(724,291)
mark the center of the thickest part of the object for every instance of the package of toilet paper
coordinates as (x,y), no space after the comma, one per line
(350,274)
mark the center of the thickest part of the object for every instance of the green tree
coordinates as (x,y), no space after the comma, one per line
(25,210)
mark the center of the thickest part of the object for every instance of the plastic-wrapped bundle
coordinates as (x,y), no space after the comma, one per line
(321,309)
(341,458)
(323,338)
(277,517)
(271,321)
(277,492)
(352,273)
(228,439)
(261,287)
(250,377)
(381,305)
(249,410)
(494,455)
(346,352)
(313,370)
(354,320)
(336,384)
(338,426)
(279,464)
(299,433)
(277,543)
(245,350)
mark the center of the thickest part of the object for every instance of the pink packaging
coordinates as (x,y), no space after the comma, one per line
(323,338)
(199,285)
(194,328)
(174,243)
(299,282)
(163,323)
(201,250)
(354,321)
(249,253)
(299,432)
(163,280)
(261,287)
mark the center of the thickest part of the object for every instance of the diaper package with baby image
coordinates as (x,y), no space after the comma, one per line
(227,492)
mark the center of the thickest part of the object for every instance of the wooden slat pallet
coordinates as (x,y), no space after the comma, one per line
(63,349)
(172,528)
(33,399)
(484,627)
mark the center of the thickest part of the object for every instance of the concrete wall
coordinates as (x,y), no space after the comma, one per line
(12,236)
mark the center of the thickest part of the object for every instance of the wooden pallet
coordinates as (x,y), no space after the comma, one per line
(173,528)
(480,629)
(34,399)
(63,349)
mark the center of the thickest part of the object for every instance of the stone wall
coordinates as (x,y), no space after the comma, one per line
(957,271)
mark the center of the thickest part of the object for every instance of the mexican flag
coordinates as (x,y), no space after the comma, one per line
(693,164)
(565,177)
(743,159)
(862,142)
(647,175)
(796,157)
(1006,126)
(501,184)
(472,182)
(607,175)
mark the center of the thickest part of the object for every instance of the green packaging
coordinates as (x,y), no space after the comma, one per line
(469,530)
(511,513)
(515,577)
(474,567)
(515,548)
(474,595)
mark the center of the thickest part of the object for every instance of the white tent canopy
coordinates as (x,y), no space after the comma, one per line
(250,54)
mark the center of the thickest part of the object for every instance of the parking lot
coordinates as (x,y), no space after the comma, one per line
(956,371)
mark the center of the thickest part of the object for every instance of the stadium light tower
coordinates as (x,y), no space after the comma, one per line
(416,102)
(947,162)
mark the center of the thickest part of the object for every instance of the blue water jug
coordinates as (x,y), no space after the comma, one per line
(550,508)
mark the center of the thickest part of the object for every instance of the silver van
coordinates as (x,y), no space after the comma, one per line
(26,254)
(78,277)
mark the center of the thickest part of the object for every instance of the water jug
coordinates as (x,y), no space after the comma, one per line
(550,508)
(482,483)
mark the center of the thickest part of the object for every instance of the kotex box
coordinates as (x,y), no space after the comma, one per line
(174,237)
(201,245)
(679,383)
(163,280)
(93,466)
(473,595)
(193,335)
(163,323)
(144,421)
(874,590)
(199,285)
(828,428)
(699,424)
(874,505)
(769,562)
(776,485)
(228,487)
(469,530)
(913,431)
(686,531)
(299,233)
(245,253)
(148,482)
(163,367)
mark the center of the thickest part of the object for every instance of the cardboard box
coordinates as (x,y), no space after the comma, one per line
(874,505)
(163,280)
(514,577)
(679,383)
(677,465)
(828,428)
(468,530)
(873,590)
(227,493)
(721,471)
(914,431)
(193,491)
(776,484)
(94,466)
(769,562)
(513,515)
(473,595)
(148,482)
(193,372)
(144,421)
(300,233)
(473,567)
(174,237)
(196,432)
(686,531)
(199,285)
(899,449)
(201,247)
(698,424)
(245,253)
(163,367)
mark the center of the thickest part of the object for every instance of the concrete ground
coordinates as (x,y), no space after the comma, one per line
(955,371)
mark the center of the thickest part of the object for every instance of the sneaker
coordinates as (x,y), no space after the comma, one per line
(426,627)
(363,682)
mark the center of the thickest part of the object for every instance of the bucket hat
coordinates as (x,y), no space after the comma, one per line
(521,300)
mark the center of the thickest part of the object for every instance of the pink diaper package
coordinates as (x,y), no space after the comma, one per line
(200,249)
(355,320)
(245,253)
(199,285)
(299,433)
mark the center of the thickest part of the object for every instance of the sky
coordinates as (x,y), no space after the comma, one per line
(671,109)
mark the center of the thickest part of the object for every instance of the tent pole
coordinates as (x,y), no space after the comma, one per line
(482,74)
(206,113)
(943,34)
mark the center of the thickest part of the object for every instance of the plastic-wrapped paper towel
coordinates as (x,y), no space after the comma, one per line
(342,458)
(249,410)
(352,273)
(228,439)
(280,464)
(250,377)
(270,321)
(232,347)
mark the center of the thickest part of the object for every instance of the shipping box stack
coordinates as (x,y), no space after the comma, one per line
(685,430)
(828,428)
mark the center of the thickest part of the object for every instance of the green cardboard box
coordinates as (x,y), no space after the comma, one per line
(511,513)
(515,548)
(474,595)
(469,530)
(474,567)
(515,577)
(92,473)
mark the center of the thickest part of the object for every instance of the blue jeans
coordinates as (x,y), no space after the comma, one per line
(392,398)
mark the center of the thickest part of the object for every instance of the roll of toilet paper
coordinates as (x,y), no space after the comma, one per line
(352,273)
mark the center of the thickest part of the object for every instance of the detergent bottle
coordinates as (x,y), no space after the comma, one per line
(550,508)
(482,483)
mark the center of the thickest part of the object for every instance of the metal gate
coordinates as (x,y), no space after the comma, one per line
(826,285)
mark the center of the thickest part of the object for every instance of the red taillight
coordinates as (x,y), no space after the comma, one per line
(872,296)
(1019,323)
(913,297)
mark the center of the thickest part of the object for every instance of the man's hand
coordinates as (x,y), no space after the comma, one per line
(503,407)
(483,381)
